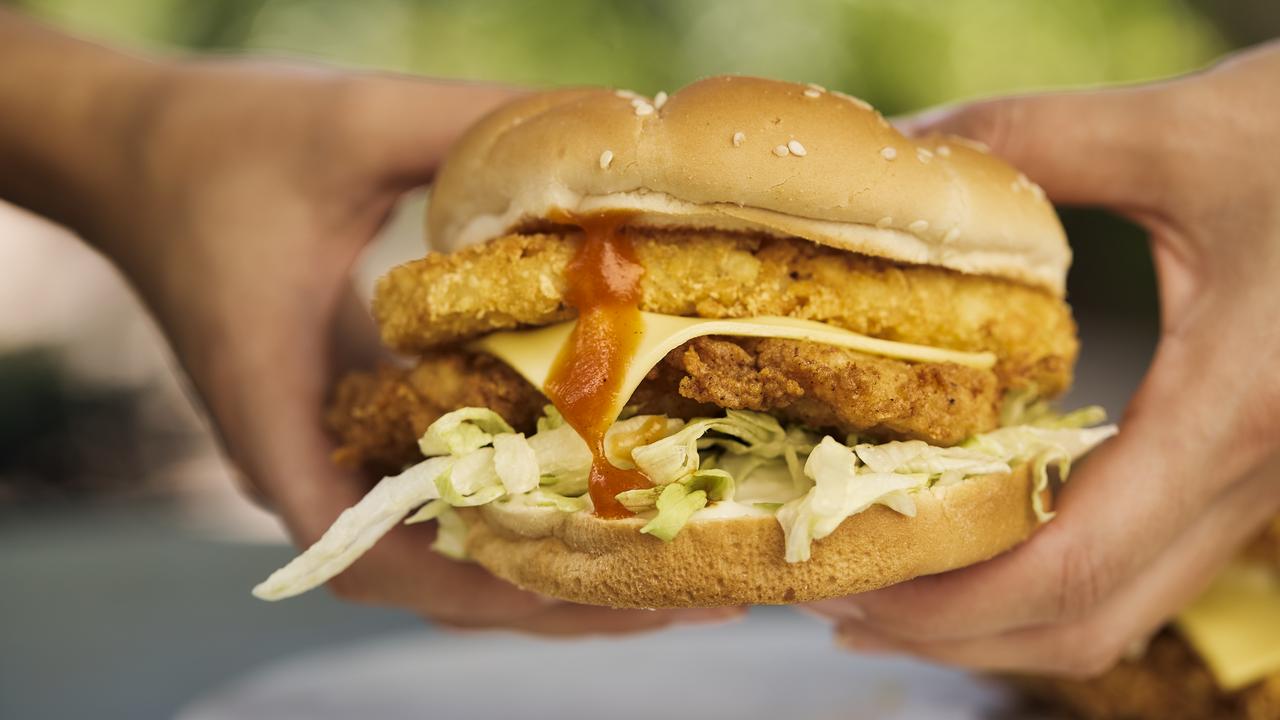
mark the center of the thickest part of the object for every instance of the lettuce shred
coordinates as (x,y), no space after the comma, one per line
(811,483)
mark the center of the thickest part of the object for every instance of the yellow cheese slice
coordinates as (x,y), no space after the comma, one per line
(533,352)
(1235,625)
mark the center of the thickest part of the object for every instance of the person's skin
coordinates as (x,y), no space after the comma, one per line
(235,196)
(1147,519)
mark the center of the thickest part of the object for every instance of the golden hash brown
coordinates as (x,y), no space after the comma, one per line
(519,280)
(379,416)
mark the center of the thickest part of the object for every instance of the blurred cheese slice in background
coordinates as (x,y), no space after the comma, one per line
(533,352)
(1235,624)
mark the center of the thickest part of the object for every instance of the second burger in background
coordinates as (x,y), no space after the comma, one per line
(746,344)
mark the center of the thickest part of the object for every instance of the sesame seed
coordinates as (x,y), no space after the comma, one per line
(626,94)
(642,108)
(815,87)
(811,93)
(944,150)
(1037,191)
(739,138)
(888,153)
(855,100)
(884,222)
(781,151)
(923,155)
(797,149)
(918,226)
(951,235)
(659,100)
(606,159)
(973,144)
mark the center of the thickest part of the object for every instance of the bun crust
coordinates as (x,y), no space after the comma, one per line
(739,561)
(746,154)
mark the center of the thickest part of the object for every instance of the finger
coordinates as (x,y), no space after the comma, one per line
(1094,643)
(573,620)
(1131,497)
(1108,147)
(407,124)
(277,433)
(356,343)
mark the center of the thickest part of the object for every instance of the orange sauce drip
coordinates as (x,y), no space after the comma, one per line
(604,287)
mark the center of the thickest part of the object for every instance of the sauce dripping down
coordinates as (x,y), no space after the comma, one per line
(604,287)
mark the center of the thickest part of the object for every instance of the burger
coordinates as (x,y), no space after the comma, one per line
(1220,658)
(743,344)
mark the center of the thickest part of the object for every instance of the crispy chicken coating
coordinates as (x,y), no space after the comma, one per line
(519,281)
(829,387)
(379,416)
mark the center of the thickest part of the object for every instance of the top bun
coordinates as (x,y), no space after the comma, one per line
(740,153)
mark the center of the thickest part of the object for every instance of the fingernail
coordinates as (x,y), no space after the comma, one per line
(863,643)
(709,615)
(839,609)
(922,122)
(853,611)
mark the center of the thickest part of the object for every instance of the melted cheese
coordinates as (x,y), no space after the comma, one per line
(1235,625)
(533,352)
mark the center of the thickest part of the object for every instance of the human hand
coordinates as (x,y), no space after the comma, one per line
(253,189)
(1148,519)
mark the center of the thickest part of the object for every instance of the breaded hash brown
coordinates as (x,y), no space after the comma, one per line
(519,281)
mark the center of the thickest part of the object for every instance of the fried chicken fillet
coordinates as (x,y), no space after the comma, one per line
(431,307)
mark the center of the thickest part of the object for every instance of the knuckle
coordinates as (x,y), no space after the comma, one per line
(993,123)
(1086,656)
(351,590)
(1079,585)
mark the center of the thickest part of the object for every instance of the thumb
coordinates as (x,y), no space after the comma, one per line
(1108,147)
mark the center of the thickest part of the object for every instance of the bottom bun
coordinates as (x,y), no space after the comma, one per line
(739,560)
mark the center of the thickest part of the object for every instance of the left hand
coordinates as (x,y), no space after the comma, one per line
(236,196)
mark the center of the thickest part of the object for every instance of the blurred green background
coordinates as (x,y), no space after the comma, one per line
(902,55)
(110,485)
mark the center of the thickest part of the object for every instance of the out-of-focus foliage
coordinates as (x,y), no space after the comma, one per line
(900,54)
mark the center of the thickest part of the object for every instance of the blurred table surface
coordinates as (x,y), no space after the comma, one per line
(123,611)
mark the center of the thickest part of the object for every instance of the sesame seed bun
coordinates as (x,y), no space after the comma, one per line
(738,561)
(737,153)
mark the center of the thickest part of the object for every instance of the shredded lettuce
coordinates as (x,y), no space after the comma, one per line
(462,431)
(1042,446)
(356,530)
(839,491)
(551,418)
(451,535)
(676,504)
(739,432)
(515,462)
(809,482)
